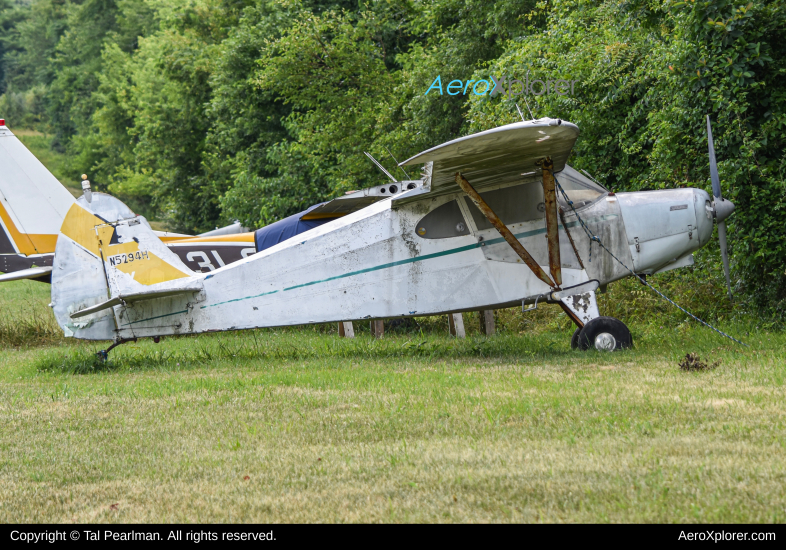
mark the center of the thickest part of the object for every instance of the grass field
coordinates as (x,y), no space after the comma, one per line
(299,425)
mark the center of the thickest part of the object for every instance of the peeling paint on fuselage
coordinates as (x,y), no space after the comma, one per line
(581,302)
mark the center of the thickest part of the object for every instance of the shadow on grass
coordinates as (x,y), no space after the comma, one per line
(274,347)
(73,361)
(271,348)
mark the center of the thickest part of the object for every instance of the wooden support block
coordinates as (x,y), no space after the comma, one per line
(456,323)
(487,322)
(346,330)
(378,328)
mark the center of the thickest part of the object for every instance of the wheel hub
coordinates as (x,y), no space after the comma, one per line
(605,342)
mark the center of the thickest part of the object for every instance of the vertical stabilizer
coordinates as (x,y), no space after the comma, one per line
(107,256)
(33,203)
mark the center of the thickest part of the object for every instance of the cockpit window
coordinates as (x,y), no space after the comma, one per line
(579,188)
(443,222)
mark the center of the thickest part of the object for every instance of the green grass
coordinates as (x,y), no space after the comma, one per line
(299,425)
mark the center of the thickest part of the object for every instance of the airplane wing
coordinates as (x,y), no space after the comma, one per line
(341,206)
(501,155)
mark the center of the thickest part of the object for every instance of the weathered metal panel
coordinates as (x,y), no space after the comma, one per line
(664,225)
(656,214)
(78,281)
(604,220)
(583,306)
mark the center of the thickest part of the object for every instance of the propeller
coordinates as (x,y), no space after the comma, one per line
(721,208)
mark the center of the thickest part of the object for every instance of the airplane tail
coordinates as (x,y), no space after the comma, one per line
(32,200)
(32,205)
(107,258)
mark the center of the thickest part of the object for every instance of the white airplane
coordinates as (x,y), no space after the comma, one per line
(497,220)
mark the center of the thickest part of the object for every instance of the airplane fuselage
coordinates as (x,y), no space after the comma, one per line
(374,264)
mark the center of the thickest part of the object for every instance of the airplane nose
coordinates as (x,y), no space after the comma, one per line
(723,209)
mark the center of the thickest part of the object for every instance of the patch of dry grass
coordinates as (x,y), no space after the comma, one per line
(25,318)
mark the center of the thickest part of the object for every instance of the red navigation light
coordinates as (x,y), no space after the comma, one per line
(2,122)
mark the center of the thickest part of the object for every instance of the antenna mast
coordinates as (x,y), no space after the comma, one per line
(394,180)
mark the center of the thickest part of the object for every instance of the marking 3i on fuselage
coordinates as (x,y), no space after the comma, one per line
(468,235)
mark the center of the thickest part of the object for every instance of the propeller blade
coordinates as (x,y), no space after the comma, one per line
(716,189)
(724,254)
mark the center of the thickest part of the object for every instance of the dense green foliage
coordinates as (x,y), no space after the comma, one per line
(200,112)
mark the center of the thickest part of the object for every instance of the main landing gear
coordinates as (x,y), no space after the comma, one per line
(603,334)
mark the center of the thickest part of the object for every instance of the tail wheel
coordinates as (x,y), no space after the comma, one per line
(604,334)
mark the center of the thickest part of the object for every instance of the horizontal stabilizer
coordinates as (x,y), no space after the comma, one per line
(32,273)
(137,297)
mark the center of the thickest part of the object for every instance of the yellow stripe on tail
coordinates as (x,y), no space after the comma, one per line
(95,235)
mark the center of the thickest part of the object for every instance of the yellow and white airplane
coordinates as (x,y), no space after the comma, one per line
(33,205)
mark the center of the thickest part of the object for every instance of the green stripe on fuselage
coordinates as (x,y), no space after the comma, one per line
(497,240)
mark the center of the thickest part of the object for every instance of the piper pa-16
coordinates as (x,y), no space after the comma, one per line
(498,219)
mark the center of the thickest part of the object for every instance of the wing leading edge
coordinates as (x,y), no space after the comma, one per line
(501,155)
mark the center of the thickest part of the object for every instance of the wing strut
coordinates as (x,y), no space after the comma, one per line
(552,224)
(503,230)
(516,245)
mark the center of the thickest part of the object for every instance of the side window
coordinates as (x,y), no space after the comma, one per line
(579,189)
(520,203)
(442,223)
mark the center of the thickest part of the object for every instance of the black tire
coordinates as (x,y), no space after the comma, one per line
(574,340)
(608,325)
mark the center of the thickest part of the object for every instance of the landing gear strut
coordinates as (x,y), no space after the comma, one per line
(103,355)
(602,334)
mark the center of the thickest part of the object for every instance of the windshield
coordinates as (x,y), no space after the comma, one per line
(578,187)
